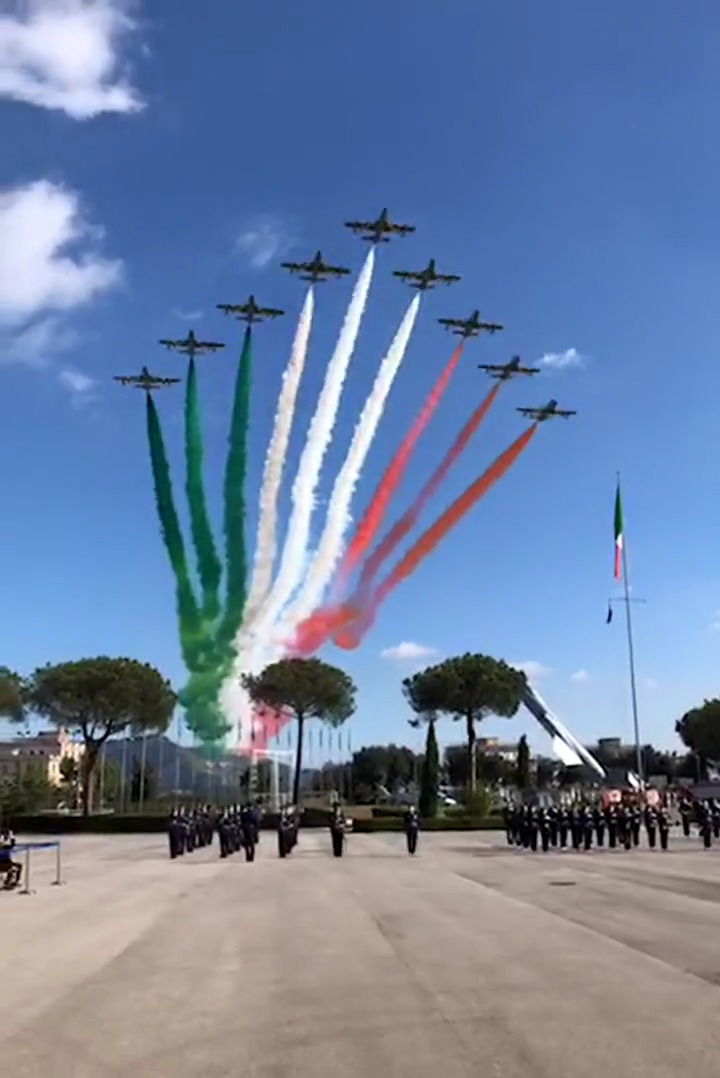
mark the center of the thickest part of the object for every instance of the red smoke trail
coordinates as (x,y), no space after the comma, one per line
(408,520)
(350,635)
(267,722)
(376,510)
(312,633)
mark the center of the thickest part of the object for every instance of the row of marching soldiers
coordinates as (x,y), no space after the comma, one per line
(237,828)
(705,814)
(580,827)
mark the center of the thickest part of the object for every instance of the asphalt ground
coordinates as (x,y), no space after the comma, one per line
(468,960)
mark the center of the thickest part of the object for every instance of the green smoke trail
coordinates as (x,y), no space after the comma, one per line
(191,635)
(235,471)
(209,568)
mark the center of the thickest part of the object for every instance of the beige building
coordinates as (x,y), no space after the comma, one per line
(493,746)
(44,751)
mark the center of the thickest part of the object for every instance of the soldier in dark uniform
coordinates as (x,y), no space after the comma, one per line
(587,826)
(552,822)
(686,814)
(611,821)
(563,826)
(544,828)
(575,827)
(173,831)
(285,826)
(704,819)
(411,822)
(626,828)
(248,831)
(635,816)
(337,831)
(224,836)
(598,817)
(663,823)
(182,831)
(11,870)
(508,823)
(714,807)
(531,828)
(651,825)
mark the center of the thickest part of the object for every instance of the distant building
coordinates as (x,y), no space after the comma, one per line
(43,753)
(493,746)
(608,747)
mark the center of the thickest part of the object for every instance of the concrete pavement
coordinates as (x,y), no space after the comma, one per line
(467,960)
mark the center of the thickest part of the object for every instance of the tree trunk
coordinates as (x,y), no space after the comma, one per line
(298,757)
(470,727)
(88,762)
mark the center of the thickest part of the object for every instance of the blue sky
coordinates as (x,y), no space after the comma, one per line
(563,159)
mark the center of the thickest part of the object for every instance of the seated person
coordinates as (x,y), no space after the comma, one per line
(10,869)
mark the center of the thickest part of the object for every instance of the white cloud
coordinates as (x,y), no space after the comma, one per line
(580,675)
(187,316)
(37,343)
(561,361)
(649,683)
(81,387)
(715,623)
(48,253)
(532,668)
(68,55)
(264,240)
(408,650)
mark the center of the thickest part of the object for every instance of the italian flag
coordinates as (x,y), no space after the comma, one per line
(618,534)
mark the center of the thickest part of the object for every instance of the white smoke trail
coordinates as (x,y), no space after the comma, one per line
(266,541)
(338,519)
(294,555)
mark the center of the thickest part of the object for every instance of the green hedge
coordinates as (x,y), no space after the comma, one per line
(440,823)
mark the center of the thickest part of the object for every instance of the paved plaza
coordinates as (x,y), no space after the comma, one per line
(469,960)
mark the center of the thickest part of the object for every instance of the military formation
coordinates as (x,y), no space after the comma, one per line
(617,825)
(238,828)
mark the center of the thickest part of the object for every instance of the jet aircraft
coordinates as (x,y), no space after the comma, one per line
(191,346)
(549,411)
(379,231)
(315,270)
(503,371)
(145,380)
(470,327)
(249,312)
(424,279)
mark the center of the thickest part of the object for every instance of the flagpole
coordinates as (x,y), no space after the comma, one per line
(631,653)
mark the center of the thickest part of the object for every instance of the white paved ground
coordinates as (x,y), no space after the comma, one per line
(469,960)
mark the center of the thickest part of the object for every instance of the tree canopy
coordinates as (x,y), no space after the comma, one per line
(311,689)
(468,687)
(12,702)
(382,765)
(98,699)
(699,729)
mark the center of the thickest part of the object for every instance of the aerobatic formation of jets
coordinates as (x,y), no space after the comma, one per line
(316,270)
